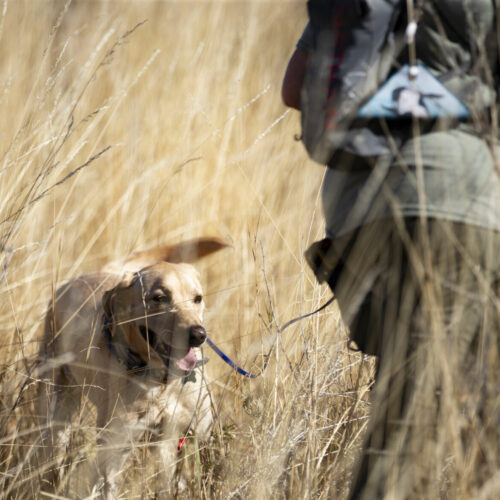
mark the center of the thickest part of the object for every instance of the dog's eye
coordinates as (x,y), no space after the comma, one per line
(198,299)
(161,297)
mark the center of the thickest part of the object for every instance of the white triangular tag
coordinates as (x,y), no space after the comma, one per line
(422,96)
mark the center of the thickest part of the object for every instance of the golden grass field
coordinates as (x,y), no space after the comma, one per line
(126,124)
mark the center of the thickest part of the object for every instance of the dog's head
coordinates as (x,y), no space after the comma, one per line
(159,310)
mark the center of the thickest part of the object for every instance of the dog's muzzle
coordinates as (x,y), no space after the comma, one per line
(183,360)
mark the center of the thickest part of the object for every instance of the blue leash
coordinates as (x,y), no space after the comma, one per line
(243,372)
(229,361)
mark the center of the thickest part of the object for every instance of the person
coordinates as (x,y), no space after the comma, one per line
(412,255)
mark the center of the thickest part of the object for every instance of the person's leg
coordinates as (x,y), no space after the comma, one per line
(434,305)
(420,298)
(379,298)
(366,271)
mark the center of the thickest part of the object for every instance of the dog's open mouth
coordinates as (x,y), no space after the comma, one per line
(184,359)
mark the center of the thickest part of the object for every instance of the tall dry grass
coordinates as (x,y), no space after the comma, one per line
(126,124)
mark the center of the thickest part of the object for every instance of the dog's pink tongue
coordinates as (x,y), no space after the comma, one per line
(188,362)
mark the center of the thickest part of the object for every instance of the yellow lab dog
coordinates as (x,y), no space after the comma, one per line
(125,340)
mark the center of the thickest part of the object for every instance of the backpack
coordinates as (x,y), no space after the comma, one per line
(354,47)
(352,70)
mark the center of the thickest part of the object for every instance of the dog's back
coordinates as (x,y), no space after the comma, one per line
(76,300)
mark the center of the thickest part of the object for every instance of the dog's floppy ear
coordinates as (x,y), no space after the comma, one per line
(192,250)
(107,299)
(186,251)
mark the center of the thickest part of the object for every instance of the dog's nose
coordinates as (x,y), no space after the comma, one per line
(197,335)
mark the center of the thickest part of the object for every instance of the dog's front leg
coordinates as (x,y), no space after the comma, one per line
(114,441)
(58,400)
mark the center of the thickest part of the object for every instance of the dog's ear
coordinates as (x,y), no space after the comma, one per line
(107,299)
(192,250)
(186,251)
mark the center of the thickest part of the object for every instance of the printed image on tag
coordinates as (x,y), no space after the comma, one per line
(424,96)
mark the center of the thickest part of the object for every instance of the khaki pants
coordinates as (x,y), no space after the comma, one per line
(422,296)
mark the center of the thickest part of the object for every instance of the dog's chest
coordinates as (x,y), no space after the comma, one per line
(163,401)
